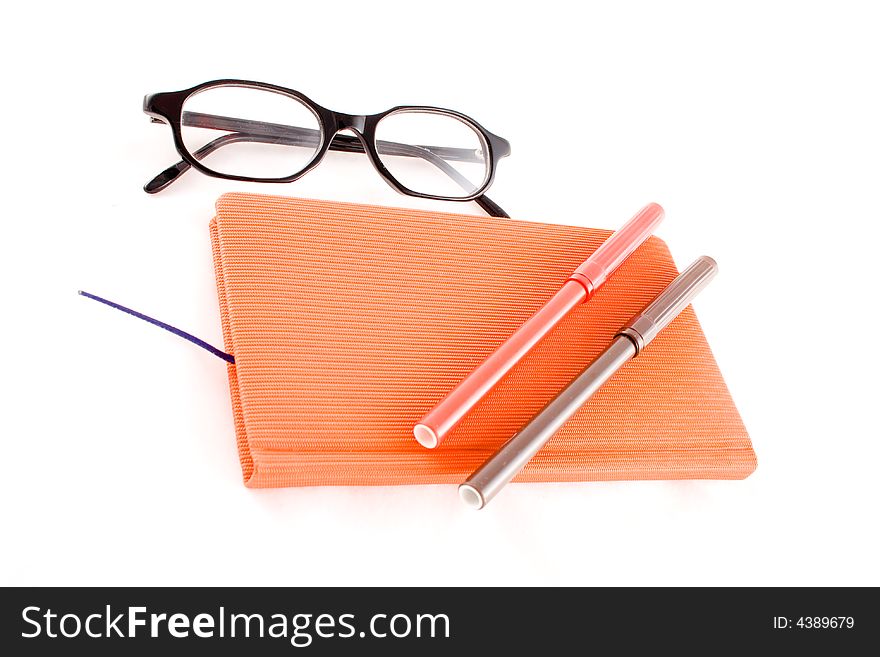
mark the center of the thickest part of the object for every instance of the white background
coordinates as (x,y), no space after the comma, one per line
(755,126)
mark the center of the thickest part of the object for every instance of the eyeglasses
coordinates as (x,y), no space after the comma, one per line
(241,130)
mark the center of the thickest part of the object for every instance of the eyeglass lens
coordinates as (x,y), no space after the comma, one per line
(432,153)
(250,132)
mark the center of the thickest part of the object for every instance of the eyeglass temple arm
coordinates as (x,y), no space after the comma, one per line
(295,136)
(169,175)
(309,136)
(345,143)
(491,207)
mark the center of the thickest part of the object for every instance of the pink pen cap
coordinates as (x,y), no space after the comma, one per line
(580,286)
(596,269)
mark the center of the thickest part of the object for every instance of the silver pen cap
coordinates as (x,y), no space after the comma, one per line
(645,326)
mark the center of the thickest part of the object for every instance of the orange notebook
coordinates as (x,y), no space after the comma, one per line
(348,322)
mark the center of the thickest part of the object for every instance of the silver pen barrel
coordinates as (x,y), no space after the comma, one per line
(508,461)
(512,457)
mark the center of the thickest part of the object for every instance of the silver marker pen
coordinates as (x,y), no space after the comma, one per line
(508,461)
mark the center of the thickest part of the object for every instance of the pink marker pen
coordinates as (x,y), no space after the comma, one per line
(581,285)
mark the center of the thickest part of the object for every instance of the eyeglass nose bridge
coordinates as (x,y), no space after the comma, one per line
(354,122)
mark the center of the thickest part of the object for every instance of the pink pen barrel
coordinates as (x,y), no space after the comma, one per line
(585,280)
(449,412)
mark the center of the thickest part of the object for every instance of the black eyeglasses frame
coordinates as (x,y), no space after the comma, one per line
(167,107)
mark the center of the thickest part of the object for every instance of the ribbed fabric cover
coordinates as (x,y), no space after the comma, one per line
(348,322)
